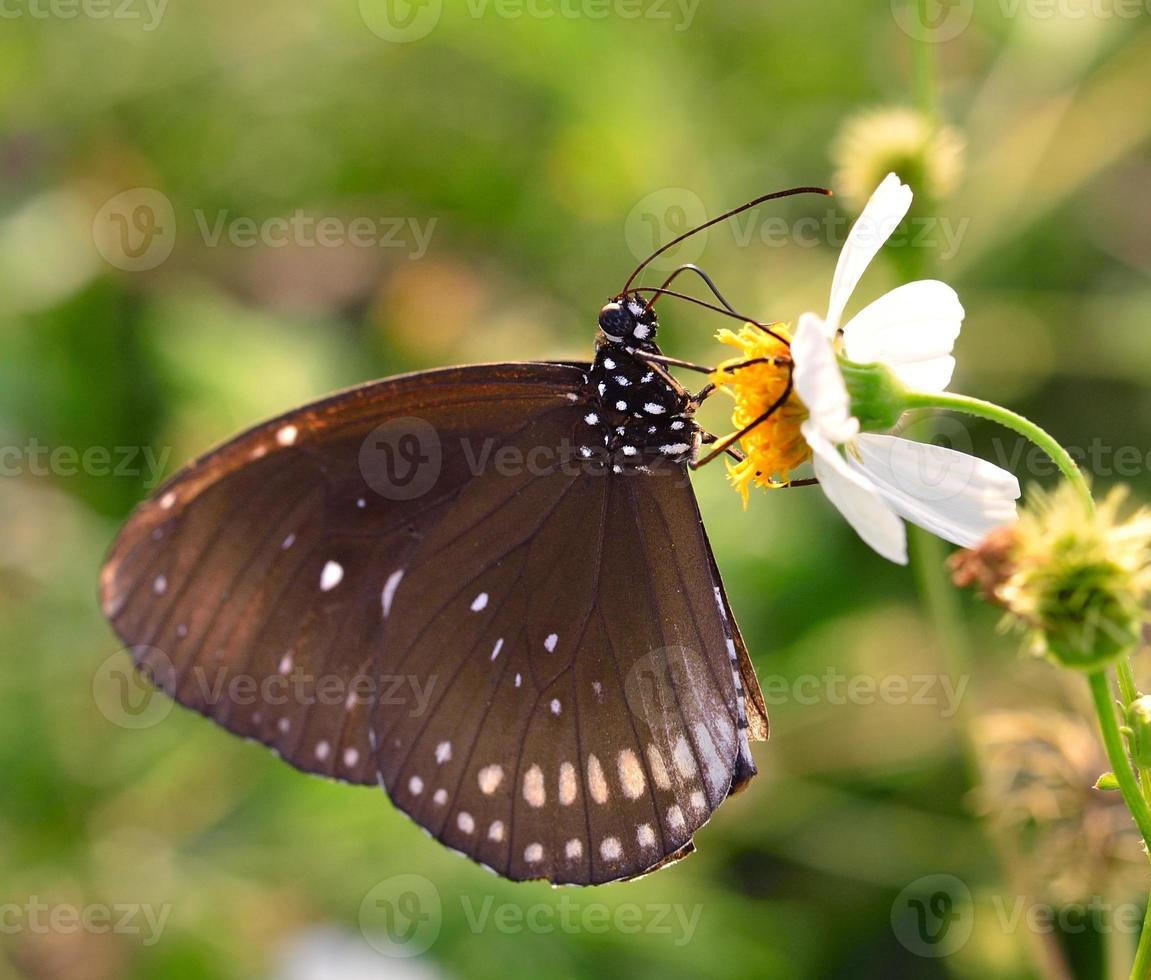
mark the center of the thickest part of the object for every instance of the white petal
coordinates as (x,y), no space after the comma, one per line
(912,329)
(952,494)
(883,212)
(819,382)
(857,500)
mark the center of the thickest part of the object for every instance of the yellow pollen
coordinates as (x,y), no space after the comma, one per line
(775,446)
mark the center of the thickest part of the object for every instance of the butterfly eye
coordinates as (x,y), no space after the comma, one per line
(616,321)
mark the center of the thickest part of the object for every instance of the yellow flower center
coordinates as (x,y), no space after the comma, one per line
(774,446)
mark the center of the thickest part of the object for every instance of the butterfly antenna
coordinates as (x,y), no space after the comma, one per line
(692,267)
(728,312)
(790,192)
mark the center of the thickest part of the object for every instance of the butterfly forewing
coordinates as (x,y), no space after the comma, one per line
(534,657)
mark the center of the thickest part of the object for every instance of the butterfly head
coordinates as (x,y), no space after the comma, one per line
(628,320)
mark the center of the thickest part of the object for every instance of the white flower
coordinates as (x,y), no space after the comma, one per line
(878,481)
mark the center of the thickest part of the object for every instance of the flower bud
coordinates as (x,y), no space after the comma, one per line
(1075,579)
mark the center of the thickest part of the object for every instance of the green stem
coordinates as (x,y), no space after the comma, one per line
(1142,966)
(1011,420)
(1117,754)
(1129,691)
(926,67)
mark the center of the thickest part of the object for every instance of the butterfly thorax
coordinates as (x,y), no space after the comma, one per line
(637,412)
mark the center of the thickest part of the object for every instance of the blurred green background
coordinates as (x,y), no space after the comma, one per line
(517,159)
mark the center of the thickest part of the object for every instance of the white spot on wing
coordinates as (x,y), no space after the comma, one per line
(568,783)
(286,436)
(610,849)
(465,822)
(497,648)
(389,593)
(573,849)
(597,785)
(631,776)
(443,752)
(331,576)
(496,831)
(684,760)
(490,778)
(479,602)
(658,769)
(645,835)
(415,786)
(534,853)
(534,791)
(714,769)
(550,642)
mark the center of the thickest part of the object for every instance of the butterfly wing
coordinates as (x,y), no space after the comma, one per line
(414,582)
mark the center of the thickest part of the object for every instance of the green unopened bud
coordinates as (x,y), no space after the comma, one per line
(1077,578)
(1108,782)
(1087,616)
(878,399)
(1138,731)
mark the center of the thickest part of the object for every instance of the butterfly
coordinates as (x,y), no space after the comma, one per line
(487,589)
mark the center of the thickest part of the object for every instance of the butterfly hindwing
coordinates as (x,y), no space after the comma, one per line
(535,658)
